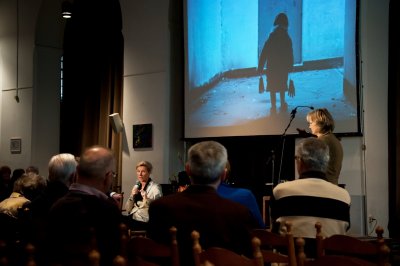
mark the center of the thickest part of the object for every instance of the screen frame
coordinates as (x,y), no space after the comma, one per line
(357,49)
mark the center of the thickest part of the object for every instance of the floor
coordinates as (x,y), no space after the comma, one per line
(237,104)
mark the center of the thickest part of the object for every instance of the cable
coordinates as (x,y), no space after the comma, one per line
(373,228)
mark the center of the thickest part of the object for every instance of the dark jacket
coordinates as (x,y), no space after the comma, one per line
(220,222)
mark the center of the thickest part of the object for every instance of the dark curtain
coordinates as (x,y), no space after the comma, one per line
(394,121)
(93,69)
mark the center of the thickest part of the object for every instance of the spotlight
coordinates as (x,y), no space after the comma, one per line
(66,9)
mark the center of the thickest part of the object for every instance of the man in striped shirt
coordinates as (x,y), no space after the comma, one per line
(311,198)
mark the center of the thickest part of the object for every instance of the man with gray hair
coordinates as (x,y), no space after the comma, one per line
(220,222)
(311,198)
(61,169)
(86,217)
(61,174)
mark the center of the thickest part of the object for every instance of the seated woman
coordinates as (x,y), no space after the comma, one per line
(25,189)
(143,193)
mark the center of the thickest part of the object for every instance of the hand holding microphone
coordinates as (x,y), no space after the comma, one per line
(136,188)
(303,133)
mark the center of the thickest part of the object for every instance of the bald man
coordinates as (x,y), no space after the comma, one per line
(86,212)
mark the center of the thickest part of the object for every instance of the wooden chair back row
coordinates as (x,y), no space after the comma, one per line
(345,250)
(143,251)
(218,256)
(277,248)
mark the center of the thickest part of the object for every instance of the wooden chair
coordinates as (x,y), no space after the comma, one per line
(217,256)
(149,252)
(377,252)
(273,244)
(327,260)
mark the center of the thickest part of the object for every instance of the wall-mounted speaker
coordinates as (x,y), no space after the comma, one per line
(116,122)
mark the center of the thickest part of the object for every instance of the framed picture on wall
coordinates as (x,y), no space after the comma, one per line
(15,145)
(142,136)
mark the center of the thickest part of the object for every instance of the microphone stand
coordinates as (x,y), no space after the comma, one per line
(292,116)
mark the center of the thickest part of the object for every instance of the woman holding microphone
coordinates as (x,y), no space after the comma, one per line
(143,193)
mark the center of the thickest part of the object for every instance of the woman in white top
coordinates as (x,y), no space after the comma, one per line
(143,193)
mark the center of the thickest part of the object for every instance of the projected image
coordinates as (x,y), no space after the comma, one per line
(250,63)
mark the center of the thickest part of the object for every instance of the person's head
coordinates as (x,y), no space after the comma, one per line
(30,185)
(206,163)
(32,169)
(312,154)
(17,173)
(320,121)
(281,20)
(143,170)
(62,168)
(5,174)
(96,168)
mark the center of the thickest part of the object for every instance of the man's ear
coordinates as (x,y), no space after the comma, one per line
(224,175)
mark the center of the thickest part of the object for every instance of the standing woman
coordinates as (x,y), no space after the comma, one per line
(321,124)
(277,54)
(143,193)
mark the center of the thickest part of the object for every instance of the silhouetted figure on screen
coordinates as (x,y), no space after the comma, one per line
(277,54)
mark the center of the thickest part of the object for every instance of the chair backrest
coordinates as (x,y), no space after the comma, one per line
(149,250)
(327,260)
(352,246)
(277,248)
(218,256)
(9,229)
(266,213)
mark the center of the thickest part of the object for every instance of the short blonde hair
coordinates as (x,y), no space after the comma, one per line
(146,164)
(323,119)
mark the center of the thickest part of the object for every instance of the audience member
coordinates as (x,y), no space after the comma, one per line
(32,169)
(61,174)
(321,124)
(220,222)
(15,225)
(6,186)
(312,197)
(16,174)
(26,189)
(241,195)
(145,191)
(86,217)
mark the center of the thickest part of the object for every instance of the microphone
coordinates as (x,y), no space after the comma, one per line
(294,111)
(138,185)
(305,134)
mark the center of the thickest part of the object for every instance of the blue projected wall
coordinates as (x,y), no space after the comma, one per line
(225,65)
(220,37)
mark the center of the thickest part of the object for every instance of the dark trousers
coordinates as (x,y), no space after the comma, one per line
(134,225)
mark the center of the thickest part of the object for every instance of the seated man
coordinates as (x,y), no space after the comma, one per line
(240,195)
(220,222)
(312,197)
(86,217)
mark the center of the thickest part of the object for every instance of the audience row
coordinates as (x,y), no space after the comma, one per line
(75,212)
